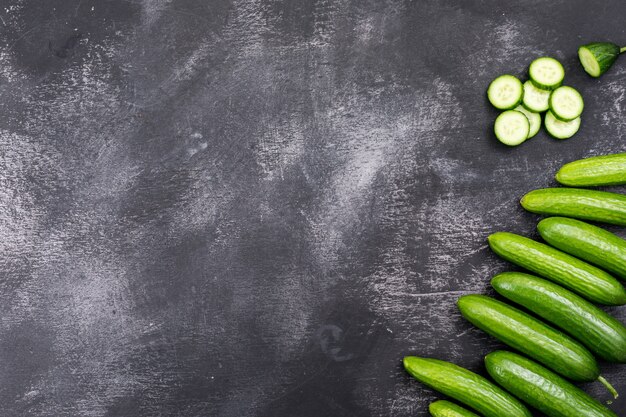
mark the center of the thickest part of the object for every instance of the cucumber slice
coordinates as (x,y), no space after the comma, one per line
(534,119)
(597,57)
(566,103)
(560,129)
(505,92)
(546,73)
(535,99)
(511,127)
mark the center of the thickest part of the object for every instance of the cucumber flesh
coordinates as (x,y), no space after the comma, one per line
(559,129)
(535,99)
(534,120)
(505,92)
(566,103)
(546,73)
(594,172)
(511,127)
(597,57)
(443,408)
(541,388)
(465,386)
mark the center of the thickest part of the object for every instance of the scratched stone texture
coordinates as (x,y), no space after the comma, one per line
(258,207)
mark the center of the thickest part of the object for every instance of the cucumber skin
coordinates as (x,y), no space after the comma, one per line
(541,388)
(465,386)
(586,280)
(606,54)
(598,331)
(600,206)
(587,242)
(530,336)
(594,172)
(443,408)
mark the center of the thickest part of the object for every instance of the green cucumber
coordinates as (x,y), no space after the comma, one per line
(600,332)
(511,127)
(587,242)
(530,336)
(597,57)
(546,73)
(534,120)
(443,408)
(465,386)
(535,99)
(600,206)
(559,129)
(541,388)
(566,103)
(594,172)
(587,280)
(505,92)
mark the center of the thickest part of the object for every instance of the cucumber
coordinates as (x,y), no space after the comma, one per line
(590,243)
(559,129)
(465,386)
(443,408)
(530,336)
(594,172)
(600,206)
(598,331)
(541,388)
(566,103)
(535,99)
(534,120)
(546,73)
(505,92)
(586,280)
(597,57)
(511,127)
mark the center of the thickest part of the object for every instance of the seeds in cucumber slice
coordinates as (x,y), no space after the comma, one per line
(534,120)
(597,57)
(505,92)
(560,129)
(546,73)
(566,103)
(535,99)
(511,127)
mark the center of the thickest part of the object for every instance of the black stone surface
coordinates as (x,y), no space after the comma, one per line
(258,207)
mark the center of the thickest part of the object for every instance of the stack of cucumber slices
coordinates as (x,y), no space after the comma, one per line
(524,103)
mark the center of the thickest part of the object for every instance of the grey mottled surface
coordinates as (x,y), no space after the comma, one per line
(257,207)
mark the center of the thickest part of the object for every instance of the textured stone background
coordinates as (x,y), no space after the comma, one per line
(256,208)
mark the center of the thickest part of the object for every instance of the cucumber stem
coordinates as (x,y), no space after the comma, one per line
(622,50)
(608,386)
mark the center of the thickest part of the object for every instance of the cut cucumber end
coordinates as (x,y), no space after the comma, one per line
(546,73)
(511,128)
(505,92)
(608,386)
(589,62)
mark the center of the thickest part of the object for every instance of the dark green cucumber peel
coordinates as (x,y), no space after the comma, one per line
(597,57)
(465,386)
(600,332)
(594,172)
(579,203)
(587,280)
(541,388)
(587,242)
(530,336)
(443,408)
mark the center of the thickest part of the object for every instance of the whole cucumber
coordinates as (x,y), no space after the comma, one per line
(530,336)
(465,386)
(443,408)
(541,388)
(587,280)
(595,171)
(587,242)
(600,206)
(600,332)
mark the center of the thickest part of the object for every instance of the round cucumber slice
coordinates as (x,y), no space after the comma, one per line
(546,73)
(566,103)
(534,120)
(511,127)
(535,99)
(596,58)
(505,92)
(560,129)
